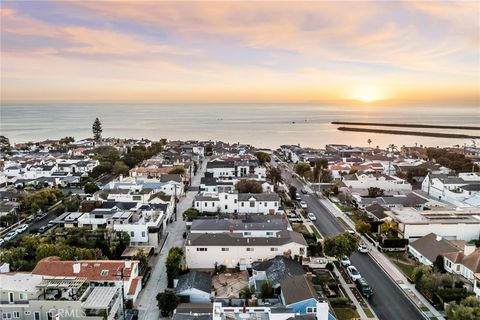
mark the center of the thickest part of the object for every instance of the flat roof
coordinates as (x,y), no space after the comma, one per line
(100,298)
(413,216)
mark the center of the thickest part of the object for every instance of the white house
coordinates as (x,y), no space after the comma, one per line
(465,263)
(261,226)
(232,202)
(426,249)
(361,182)
(461,190)
(204,250)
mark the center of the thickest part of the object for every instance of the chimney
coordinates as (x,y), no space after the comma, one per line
(322,310)
(120,178)
(469,249)
(309,276)
(76,267)
(439,238)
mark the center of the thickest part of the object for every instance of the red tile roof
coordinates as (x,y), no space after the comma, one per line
(90,269)
(133,286)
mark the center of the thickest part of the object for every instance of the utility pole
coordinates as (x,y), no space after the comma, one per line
(175,200)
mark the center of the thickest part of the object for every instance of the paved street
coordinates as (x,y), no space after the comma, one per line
(388,301)
(147,302)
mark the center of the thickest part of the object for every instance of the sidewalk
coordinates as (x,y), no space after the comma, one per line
(391,269)
(344,284)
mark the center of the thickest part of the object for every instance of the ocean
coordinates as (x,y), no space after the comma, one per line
(262,125)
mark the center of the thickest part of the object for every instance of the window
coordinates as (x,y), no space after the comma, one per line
(243,204)
(458,267)
(132,234)
(16,314)
(104,273)
(311,309)
(275,204)
(213,204)
(269,233)
(10,297)
(226,207)
(7,315)
(235,201)
(247,233)
(273,249)
(49,315)
(252,204)
(137,198)
(226,196)
(225,249)
(143,234)
(27,313)
(201,249)
(206,204)
(249,249)
(198,204)
(36,315)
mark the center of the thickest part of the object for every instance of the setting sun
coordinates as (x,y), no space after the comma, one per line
(367,93)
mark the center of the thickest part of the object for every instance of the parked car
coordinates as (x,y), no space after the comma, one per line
(22,228)
(303,204)
(364,288)
(2,242)
(10,236)
(304,191)
(297,196)
(312,216)
(42,229)
(41,216)
(50,224)
(345,261)
(362,248)
(353,273)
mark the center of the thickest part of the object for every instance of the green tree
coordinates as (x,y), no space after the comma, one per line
(302,168)
(167,302)
(438,264)
(190,213)
(142,261)
(172,264)
(275,175)
(419,272)
(266,291)
(467,309)
(342,244)
(90,188)
(120,168)
(263,157)
(97,130)
(246,293)
(292,192)
(248,186)
(67,140)
(177,170)
(374,192)
(362,226)
(389,227)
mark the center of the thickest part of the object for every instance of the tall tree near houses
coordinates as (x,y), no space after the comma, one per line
(97,130)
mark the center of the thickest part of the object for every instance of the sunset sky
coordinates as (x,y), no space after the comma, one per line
(101,51)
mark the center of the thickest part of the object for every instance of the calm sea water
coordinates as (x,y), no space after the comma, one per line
(260,125)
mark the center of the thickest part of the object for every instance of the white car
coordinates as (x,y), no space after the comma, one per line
(312,216)
(10,236)
(353,273)
(2,242)
(345,261)
(303,204)
(362,248)
(21,228)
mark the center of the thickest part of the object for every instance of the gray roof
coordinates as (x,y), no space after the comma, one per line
(220,164)
(265,196)
(296,289)
(195,280)
(201,197)
(279,269)
(235,239)
(226,224)
(377,210)
(430,247)
(199,308)
(193,316)
(410,200)
(170,177)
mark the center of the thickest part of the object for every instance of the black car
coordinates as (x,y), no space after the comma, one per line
(364,288)
(304,191)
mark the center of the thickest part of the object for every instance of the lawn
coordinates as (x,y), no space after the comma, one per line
(299,227)
(346,313)
(368,312)
(398,258)
(342,207)
(316,233)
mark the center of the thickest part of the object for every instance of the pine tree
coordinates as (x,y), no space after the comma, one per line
(97,130)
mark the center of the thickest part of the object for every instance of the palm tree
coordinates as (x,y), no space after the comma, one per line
(369,141)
